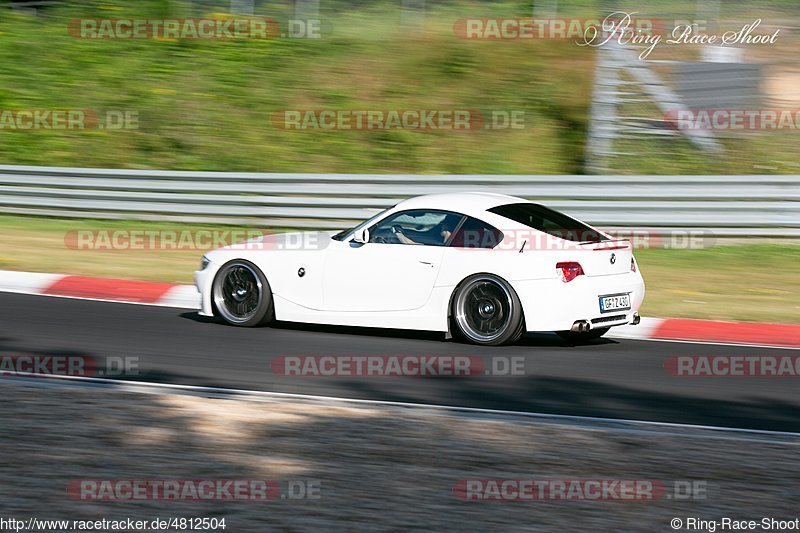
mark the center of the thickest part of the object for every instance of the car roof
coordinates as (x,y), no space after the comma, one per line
(468,203)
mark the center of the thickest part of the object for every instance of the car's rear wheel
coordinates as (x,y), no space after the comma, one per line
(575,337)
(241,294)
(487,311)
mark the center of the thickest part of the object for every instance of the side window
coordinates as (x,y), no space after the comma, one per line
(475,233)
(422,226)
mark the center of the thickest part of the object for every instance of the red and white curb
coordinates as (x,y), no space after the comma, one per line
(687,329)
(187,297)
(104,289)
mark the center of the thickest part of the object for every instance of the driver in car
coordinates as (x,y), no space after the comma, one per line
(444,233)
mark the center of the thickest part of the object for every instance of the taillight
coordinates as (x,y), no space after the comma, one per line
(633,265)
(569,270)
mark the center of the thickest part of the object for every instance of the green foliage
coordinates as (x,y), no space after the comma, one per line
(208,104)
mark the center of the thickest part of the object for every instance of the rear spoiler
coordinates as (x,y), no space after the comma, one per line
(602,246)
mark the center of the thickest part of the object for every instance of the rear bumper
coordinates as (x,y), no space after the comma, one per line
(552,305)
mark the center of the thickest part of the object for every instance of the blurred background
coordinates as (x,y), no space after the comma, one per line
(207,104)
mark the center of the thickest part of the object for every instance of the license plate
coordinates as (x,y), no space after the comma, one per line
(615,302)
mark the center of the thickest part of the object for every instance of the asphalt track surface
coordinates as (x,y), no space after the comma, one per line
(610,378)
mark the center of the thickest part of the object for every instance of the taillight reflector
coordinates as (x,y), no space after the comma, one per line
(569,270)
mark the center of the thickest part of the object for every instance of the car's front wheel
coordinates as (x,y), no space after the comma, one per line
(241,294)
(487,311)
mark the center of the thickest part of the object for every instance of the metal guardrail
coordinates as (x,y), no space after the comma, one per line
(723,205)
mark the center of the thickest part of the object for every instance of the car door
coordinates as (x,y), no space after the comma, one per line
(395,270)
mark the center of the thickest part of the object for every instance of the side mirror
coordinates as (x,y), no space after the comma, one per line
(361,236)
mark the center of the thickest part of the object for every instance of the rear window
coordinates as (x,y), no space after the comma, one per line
(548,221)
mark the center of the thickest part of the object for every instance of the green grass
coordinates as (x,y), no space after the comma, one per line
(42,245)
(743,282)
(746,282)
(207,105)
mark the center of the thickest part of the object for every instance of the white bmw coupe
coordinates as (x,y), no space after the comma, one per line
(485,267)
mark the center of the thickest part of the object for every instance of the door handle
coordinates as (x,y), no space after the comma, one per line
(427,263)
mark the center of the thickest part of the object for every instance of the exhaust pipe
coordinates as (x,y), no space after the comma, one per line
(636,319)
(580,326)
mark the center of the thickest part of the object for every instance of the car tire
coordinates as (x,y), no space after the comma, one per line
(577,338)
(486,311)
(241,294)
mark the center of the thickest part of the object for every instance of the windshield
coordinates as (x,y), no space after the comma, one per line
(342,235)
